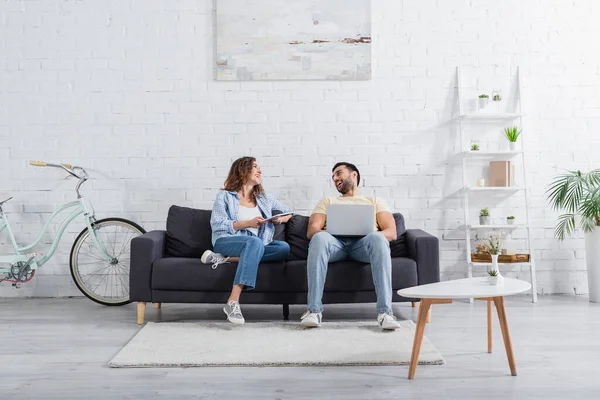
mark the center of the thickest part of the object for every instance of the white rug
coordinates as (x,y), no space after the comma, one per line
(174,344)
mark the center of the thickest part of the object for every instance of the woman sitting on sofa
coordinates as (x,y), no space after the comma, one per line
(240,229)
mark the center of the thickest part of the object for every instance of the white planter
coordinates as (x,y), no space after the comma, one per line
(483,103)
(510,221)
(498,279)
(493,280)
(512,146)
(484,220)
(592,258)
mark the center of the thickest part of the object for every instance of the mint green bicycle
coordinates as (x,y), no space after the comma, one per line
(100,256)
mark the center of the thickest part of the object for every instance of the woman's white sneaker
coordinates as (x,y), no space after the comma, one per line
(387,321)
(234,313)
(210,257)
(311,319)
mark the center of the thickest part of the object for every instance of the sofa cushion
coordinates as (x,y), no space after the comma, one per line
(398,246)
(279,229)
(296,230)
(176,273)
(297,227)
(351,276)
(188,232)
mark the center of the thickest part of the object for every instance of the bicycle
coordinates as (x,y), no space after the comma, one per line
(99,266)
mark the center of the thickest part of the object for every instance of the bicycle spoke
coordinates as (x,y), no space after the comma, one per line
(126,242)
(115,241)
(93,255)
(99,272)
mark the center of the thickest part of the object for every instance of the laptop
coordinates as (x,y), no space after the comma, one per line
(350,219)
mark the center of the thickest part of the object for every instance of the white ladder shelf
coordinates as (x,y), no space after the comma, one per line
(469,190)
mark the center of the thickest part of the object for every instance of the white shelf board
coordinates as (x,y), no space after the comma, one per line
(494,188)
(499,263)
(490,116)
(478,153)
(503,226)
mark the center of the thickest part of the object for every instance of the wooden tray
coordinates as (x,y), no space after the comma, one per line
(487,258)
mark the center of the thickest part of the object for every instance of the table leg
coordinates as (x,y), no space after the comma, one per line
(499,302)
(489,325)
(420,329)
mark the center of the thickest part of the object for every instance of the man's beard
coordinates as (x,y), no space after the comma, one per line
(346,186)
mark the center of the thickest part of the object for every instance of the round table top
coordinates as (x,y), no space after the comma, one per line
(465,288)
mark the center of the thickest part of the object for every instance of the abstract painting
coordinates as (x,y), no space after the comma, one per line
(293,40)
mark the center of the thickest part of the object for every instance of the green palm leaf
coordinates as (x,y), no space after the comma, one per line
(576,193)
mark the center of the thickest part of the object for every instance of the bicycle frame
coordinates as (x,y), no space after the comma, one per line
(81,207)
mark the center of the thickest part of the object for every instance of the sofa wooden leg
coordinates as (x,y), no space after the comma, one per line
(286,312)
(413,304)
(157,305)
(141,310)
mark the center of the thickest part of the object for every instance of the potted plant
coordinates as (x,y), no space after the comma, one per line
(484,217)
(510,220)
(484,100)
(474,147)
(496,95)
(493,277)
(578,194)
(512,134)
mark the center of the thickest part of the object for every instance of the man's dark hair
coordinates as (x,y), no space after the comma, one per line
(351,167)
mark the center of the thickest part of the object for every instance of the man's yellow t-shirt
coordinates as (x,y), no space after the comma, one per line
(378,202)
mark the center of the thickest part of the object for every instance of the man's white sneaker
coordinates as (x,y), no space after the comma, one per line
(311,319)
(210,257)
(387,321)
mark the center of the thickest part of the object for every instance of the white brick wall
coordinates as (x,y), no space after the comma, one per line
(125,87)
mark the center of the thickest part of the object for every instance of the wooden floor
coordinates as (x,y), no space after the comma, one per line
(59,348)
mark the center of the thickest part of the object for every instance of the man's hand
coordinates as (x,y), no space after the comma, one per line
(281,220)
(387,223)
(316,223)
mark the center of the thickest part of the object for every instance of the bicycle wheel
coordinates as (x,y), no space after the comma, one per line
(105,282)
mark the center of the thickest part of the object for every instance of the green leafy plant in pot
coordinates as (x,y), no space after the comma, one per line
(484,216)
(483,101)
(577,194)
(512,134)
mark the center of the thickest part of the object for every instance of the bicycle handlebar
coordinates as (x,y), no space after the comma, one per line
(45,164)
(68,168)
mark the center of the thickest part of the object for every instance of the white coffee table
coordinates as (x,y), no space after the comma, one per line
(478,288)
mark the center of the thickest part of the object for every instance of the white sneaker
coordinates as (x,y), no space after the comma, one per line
(311,319)
(387,321)
(210,257)
(234,313)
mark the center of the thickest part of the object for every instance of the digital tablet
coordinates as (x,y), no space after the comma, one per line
(278,215)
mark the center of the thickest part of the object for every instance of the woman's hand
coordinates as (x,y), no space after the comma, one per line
(281,220)
(256,222)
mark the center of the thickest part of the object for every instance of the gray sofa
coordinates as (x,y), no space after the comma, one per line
(166,267)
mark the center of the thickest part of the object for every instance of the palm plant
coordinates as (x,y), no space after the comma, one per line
(577,193)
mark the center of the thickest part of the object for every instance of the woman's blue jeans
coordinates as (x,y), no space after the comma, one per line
(251,251)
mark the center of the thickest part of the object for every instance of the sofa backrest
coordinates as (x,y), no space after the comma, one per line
(189,233)
(297,227)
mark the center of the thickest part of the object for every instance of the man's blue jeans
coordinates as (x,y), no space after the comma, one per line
(251,251)
(373,248)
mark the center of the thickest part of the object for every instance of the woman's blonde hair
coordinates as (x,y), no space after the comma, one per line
(238,176)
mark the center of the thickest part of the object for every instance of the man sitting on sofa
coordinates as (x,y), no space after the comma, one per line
(373,248)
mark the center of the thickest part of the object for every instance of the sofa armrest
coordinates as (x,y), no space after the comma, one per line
(145,250)
(424,248)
